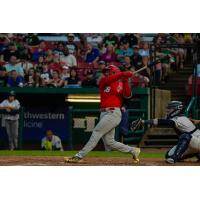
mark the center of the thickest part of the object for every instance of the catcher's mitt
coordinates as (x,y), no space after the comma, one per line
(136,124)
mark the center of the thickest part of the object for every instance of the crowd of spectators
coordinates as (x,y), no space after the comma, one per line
(28,61)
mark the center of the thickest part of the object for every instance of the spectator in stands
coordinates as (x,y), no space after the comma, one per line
(71,45)
(73,79)
(29,78)
(160,38)
(102,64)
(127,51)
(45,74)
(24,51)
(39,64)
(56,65)
(11,51)
(144,51)
(51,142)
(3,77)
(131,38)
(68,59)
(110,39)
(15,80)
(165,55)
(99,73)
(119,52)
(56,81)
(92,54)
(12,65)
(49,56)
(38,52)
(4,41)
(127,64)
(26,65)
(102,49)
(82,47)
(65,73)
(145,62)
(138,80)
(38,79)
(181,52)
(94,38)
(110,55)
(136,58)
(33,79)
(90,80)
(32,39)
(124,50)
(59,49)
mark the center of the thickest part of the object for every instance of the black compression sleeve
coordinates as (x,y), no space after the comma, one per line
(149,122)
(166,122)
(160,122)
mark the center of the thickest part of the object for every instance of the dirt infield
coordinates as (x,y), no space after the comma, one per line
(89,161)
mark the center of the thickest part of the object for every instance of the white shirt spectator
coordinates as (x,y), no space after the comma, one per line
(94,40)
(69,60)
(14,104)
(26,66)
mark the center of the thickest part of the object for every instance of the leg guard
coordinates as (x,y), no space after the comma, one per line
(181,146)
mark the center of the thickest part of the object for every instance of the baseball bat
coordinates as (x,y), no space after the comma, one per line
(141,69)
(146,66)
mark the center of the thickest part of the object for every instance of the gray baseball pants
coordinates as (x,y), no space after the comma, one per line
(12,131)
(105,129)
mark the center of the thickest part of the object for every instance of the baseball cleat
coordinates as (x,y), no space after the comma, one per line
(136,153)
(170,160)
(74,159)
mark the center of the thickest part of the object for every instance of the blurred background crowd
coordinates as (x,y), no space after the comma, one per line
(76,60)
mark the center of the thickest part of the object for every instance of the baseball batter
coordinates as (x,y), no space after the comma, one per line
(188,144)
(113,88)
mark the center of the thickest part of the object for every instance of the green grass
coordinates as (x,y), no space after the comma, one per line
(70,153)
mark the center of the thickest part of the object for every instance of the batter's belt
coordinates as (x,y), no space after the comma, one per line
(108,109)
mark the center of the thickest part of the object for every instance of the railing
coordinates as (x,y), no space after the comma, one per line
(153,49)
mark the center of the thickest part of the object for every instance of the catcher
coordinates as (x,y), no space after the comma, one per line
(188,144)
(113,87)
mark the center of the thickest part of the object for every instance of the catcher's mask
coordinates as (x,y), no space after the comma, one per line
(174,108)
(110,69)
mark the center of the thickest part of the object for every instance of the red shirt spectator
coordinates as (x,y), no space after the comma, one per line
(56,65)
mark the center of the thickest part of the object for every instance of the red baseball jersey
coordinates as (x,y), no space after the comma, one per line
(114,88)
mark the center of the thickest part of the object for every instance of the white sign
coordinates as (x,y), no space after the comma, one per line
(87,123)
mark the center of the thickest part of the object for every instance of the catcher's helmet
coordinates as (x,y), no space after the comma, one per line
(112,69)
(176,107)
